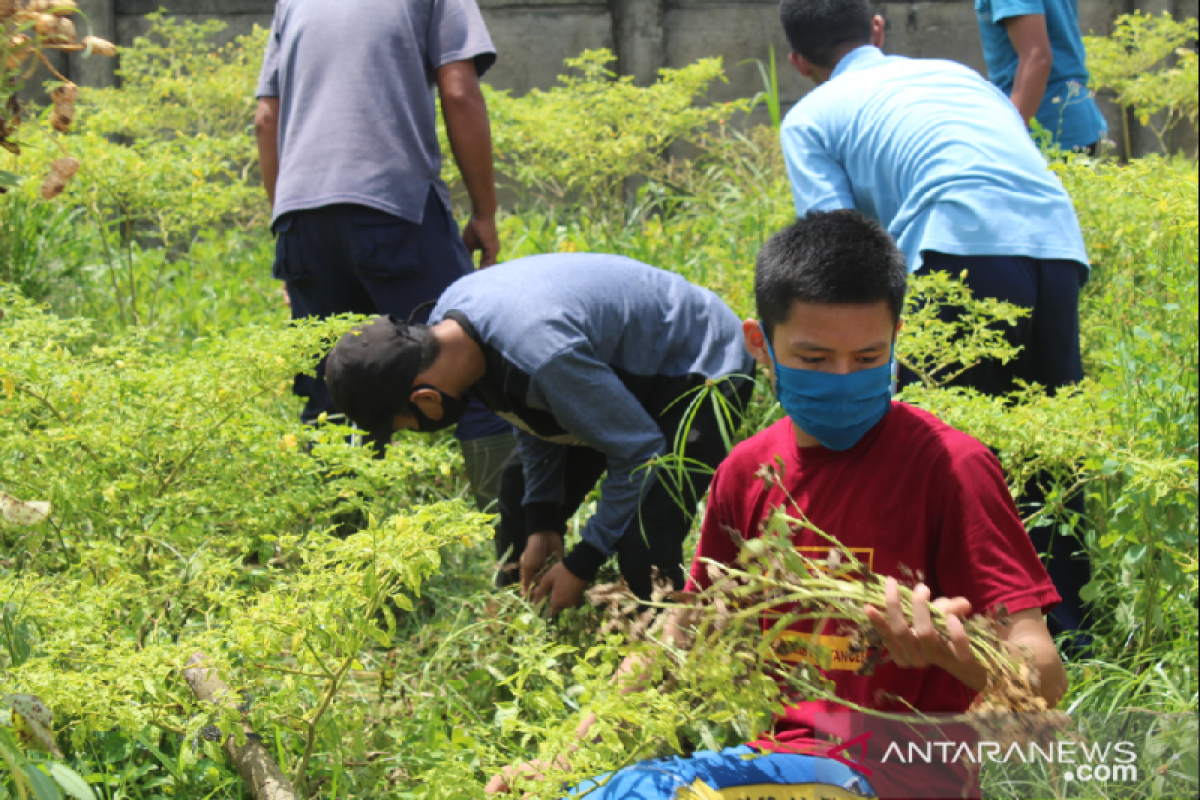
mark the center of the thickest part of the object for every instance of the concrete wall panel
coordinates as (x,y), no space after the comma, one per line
(532,43)
(740,33)
(534,36)
(130,27)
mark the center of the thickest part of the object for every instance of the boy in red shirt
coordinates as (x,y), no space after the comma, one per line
(908,494)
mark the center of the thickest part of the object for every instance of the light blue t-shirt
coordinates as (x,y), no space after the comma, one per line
(355,81)
(1068,110)
(935,153)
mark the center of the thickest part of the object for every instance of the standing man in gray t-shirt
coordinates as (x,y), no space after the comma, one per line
(347,140)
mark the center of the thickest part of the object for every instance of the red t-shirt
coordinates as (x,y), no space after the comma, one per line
(914,499)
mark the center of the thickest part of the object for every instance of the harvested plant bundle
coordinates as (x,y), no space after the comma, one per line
(27,28)
(750,610)
(774,586)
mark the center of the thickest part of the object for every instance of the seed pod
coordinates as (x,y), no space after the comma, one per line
(66,30)
(100,47)
(61,171)
(55,30)
(62,116)
(19,49)
(46,26)
(62,7)
(67,93)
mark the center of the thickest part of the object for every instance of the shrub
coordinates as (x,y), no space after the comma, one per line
(580,141)
(1149,63)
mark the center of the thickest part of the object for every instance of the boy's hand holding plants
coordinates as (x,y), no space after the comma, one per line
(539,551)
(920,644)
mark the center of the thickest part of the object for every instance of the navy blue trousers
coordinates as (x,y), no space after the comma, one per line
(1049,342)
(353,259)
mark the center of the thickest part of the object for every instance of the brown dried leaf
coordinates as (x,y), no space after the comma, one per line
(33,722)
(20,512)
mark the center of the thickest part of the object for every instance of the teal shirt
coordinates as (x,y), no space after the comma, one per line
(1068,110)
(935,153)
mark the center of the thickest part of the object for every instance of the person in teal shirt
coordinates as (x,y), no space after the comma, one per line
(1034,53)
(941,158)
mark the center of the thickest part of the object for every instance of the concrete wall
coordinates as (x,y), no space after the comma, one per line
(534,36)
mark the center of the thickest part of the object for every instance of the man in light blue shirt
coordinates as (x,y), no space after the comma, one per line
(943,160)
(1034,53)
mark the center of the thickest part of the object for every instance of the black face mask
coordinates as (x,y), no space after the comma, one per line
(452,411)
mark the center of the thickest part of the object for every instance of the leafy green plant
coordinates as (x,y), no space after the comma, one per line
(28,727)
(142,559)
(583,139)
(770,93)
(1149,63)
(40,243)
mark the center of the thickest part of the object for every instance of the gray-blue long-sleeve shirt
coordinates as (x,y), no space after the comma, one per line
(589,349)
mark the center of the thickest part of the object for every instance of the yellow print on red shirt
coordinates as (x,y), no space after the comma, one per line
(828,652)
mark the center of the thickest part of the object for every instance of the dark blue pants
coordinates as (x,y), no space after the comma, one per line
(1049,355)
(1048,337)
(353,259)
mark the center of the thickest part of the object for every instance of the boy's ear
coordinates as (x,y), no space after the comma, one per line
(756,343)
(878,30)
(802,64)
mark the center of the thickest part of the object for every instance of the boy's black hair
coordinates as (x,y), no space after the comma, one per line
(828,258)
(815,28)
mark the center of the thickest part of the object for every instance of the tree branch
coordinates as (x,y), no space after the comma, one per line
(252,761)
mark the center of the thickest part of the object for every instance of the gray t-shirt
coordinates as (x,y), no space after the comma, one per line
(355,81)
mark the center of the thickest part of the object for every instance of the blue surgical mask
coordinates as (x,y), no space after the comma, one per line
(836,410)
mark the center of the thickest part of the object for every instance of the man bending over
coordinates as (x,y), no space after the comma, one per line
(596,359)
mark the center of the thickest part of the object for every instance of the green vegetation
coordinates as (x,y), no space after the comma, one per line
(145,369)
(1149,65)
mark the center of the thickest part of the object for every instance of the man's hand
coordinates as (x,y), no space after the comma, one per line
(563,587)
(920,644)
(532,770)
(480,234)
(539,547)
